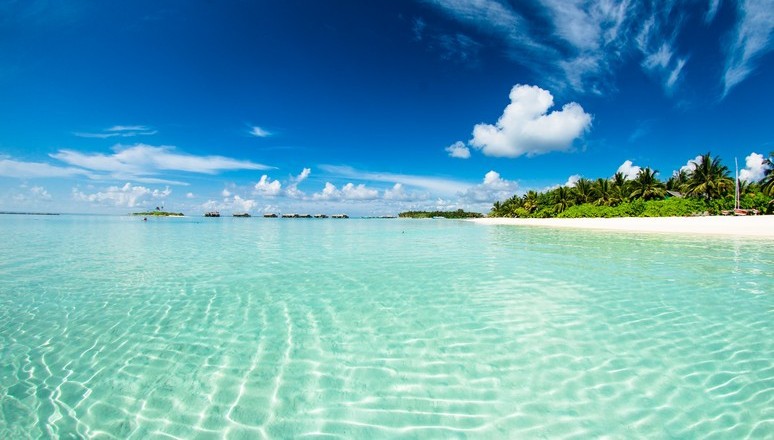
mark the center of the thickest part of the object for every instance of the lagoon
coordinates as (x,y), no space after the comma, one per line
(111,327)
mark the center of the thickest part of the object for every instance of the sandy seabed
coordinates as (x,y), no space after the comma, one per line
(750,226)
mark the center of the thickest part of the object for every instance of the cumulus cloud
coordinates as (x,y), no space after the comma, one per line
(458,150)
(691,164)
(629,170)
(40,193)
(292,188)
(259,132)
(225,192)
(239,204)
(754,169)
(268,187)
(526,127)
(572,180)
(31,194)
(349,191)
(189,195)
(125,196)
(493,187)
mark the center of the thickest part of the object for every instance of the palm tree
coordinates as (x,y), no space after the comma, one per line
(530,202)
(562,198)
(603,192)
(767,183)
(709,179)
(583,191)
(621,189)
(677,181)
(647,186)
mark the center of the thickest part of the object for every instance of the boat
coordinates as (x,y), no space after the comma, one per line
(212,214)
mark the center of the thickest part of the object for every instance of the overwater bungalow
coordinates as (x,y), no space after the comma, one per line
(320,216)
(212,214)
(270,215)
(243,214)
(340,216)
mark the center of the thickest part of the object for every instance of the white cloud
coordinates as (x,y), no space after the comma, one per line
(691,164)
(629,170)
(752,39)
(126,196)
(259,132)
(141,160)
(268,187)
(395,193)
(31,194)
(458,150)
(492,188)
(24,170)
(572,180)
(712,10)
(754,169)
(436,185)
(189,195)
(349,191)
(239,204)
(525,127)
(225,192)
(40,193)
(119,131)
(292,190)
(581,43)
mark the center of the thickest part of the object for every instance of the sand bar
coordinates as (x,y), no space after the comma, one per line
(761,226)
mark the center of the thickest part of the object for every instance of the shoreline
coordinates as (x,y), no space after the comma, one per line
(758,226)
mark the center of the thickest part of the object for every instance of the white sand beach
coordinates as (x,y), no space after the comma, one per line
(761,226)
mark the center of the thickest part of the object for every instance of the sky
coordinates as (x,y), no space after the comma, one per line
(368,108)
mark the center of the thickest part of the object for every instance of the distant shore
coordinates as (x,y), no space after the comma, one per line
(761,226)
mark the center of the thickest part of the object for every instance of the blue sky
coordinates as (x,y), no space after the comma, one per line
(368,108)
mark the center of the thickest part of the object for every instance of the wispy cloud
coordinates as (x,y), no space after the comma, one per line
(580,44)
(119,131)
(26,170)
(142,160)
(436,185)
(752,39)
(259,132)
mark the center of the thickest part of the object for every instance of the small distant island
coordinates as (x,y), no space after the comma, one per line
(28,213)
(440,214)
(159,214)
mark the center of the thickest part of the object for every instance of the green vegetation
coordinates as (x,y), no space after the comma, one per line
(708,188)
(159,214)
(445,214)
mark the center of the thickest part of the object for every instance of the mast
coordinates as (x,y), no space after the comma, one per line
(736,184)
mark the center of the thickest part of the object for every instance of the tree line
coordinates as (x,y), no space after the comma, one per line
(707,188)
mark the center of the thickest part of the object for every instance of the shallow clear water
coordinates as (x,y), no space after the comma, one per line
(248,328)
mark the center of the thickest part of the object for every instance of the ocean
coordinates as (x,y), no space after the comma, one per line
(111,327)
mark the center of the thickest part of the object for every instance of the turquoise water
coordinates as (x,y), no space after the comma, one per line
(250,328)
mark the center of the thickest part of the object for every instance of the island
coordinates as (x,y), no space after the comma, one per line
(159,214)
(458,214)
